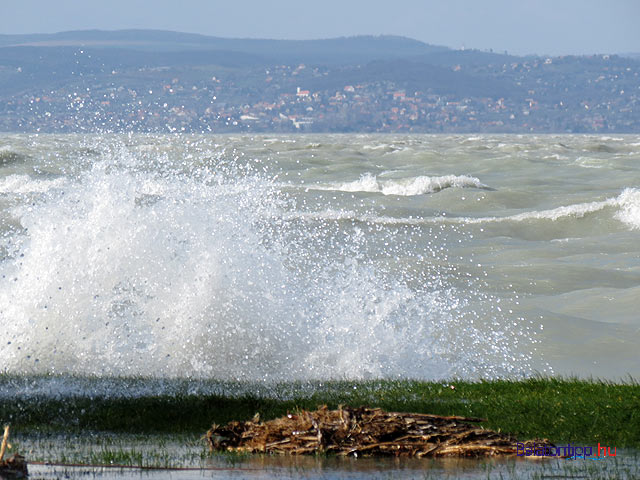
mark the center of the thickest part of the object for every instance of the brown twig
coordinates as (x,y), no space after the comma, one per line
(5,439)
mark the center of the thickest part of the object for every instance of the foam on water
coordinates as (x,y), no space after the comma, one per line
(136,267)
(625,208)
(629,212)
(626,205)
(406,187)
(22,184)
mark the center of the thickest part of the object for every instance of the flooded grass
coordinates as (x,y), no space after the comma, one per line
(562,410)
(114,449)
(131,427)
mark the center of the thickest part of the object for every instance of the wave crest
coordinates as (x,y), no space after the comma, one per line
(405,187)
(629,203)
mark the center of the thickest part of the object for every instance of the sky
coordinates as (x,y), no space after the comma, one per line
(553,27)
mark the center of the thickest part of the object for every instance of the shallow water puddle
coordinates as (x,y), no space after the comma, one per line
(173,457)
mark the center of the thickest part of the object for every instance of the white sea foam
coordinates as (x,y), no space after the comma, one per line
(22,184)
(629,203)
(406,187)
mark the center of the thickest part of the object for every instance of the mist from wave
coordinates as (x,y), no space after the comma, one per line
(187,264)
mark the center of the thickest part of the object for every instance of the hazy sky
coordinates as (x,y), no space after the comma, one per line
(518,26)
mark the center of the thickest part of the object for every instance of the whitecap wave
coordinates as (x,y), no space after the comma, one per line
(629,203)
(577,210)
(23,184)
(627,206)
(404,187)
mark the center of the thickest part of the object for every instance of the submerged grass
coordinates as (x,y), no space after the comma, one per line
(119,449)
(560,409)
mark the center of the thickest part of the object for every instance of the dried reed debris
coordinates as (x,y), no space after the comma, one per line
(362,431)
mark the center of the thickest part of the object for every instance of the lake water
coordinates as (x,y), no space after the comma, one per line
(192,461)
(298,257)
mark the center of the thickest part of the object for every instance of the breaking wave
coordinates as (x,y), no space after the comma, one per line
(626,205)
(406,187)
(131,266)
(629,207)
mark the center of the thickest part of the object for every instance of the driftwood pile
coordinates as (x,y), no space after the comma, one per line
(362,432)
(14,466)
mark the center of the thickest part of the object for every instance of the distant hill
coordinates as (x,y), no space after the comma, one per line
(418,76)
(469,58)
(413,65)
(158,81)
(329,51)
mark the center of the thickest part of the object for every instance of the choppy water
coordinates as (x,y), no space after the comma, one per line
(314,257)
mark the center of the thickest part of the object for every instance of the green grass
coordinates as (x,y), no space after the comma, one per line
(563,410)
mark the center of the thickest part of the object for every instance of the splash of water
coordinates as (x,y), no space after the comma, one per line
(137,265)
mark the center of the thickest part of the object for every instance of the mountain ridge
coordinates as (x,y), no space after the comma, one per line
(346,49)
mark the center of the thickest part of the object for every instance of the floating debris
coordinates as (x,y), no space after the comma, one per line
(13,467)
(363,432)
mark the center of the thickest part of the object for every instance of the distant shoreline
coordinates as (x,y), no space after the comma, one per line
(157,81)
